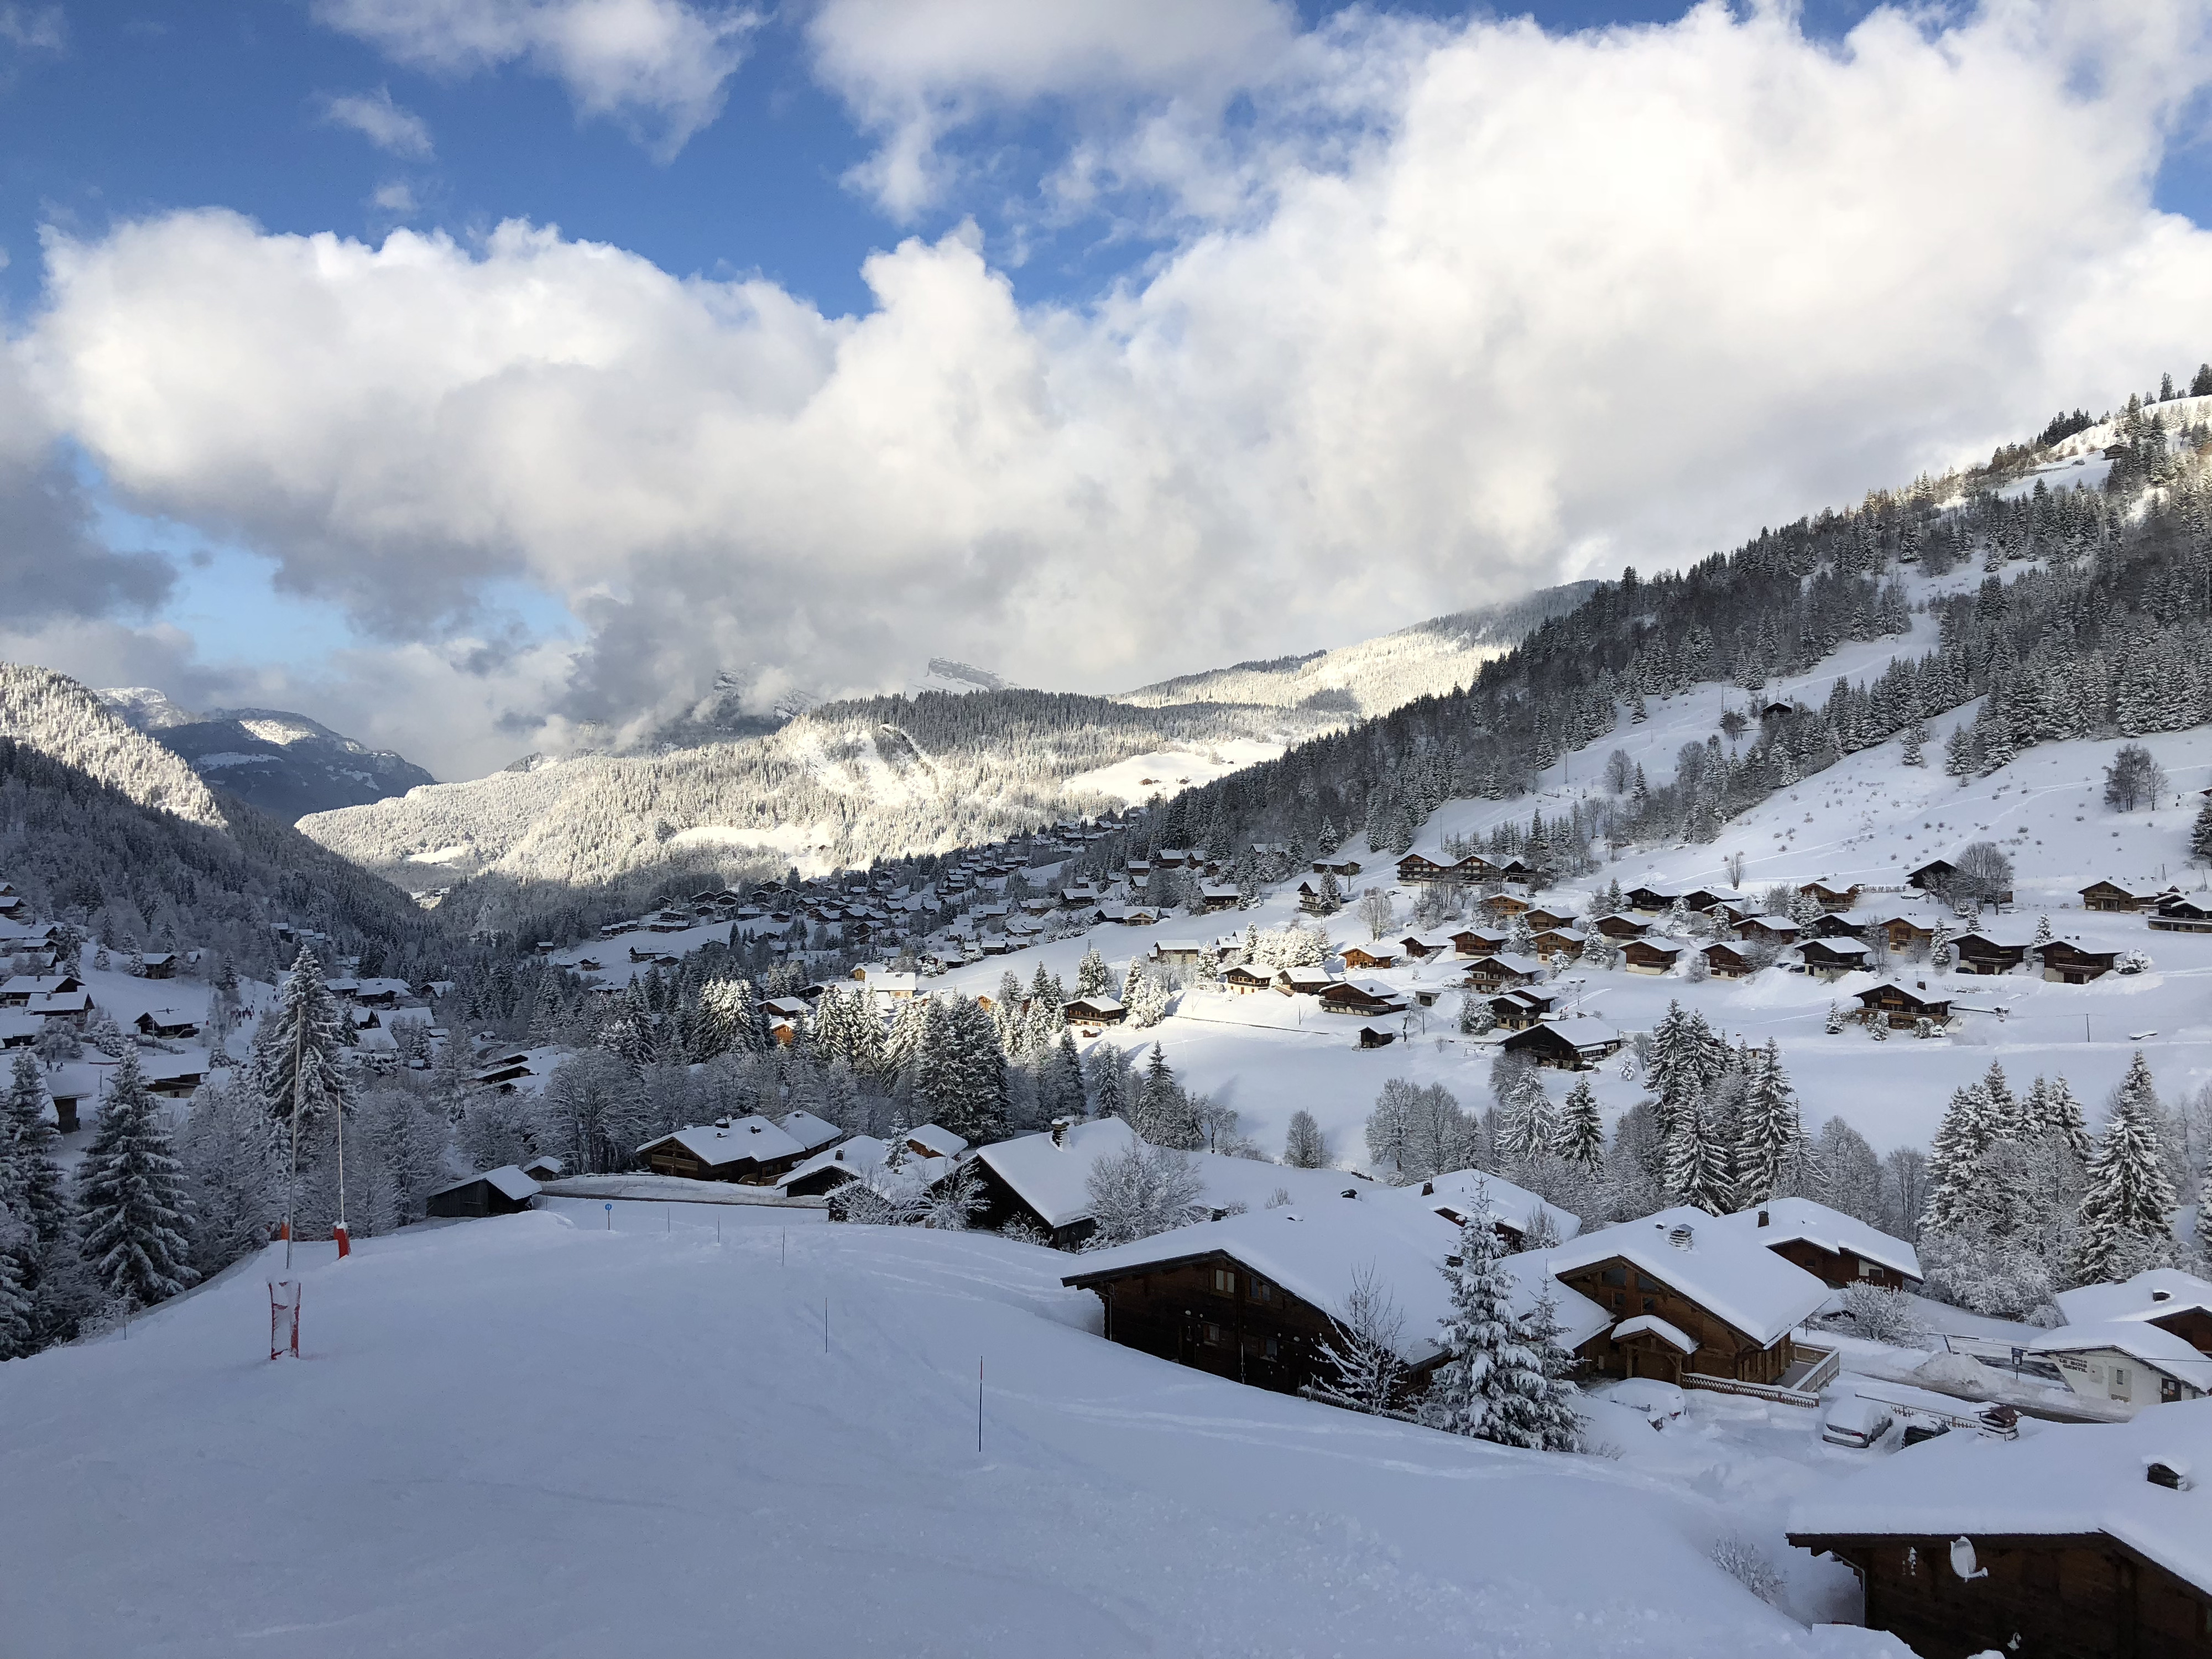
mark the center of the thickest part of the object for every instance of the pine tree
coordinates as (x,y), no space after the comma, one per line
(1582,1132)
(729,1020)
(1772,1146)
(1536,1404)
(30,1180)
(1161,1112)
(2199,835)
(132,1205)
(1108,1092)
(2127,1212)
(1091,976)
(18,1308)
(1697,1162)
(1485,1344)
(233,1159)
(1960,1140)
(1060,1080)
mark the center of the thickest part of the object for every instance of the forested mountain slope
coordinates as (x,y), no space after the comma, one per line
(283,763)
(2093,617)
(836,787)
(102,826)
(1377,675)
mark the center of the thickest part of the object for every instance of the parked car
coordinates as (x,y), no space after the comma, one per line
(1851,1421)
(1916,1431)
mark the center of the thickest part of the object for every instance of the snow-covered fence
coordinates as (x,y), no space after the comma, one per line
(1773,1391)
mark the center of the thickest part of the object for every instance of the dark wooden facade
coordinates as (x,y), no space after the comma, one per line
(1831,898)
(1344,997)
(1840,1267)
(672,1158)
(998,1204)
(2111,896)
(2076,1596)
(1215,1314)
(1550,1045)
(1977,953)
(2182,915)
(1362,956)
(2192,1325)
(1495,974)
(473,1198)
(2070,964)
(1626,1291)
(1726,962)
(1619,927)
(1902,1008)
(1642,956)
(1903,933)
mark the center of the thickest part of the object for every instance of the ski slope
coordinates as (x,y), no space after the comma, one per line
(537,1435)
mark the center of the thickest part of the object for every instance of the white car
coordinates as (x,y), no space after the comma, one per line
(1661,1403)
(1851,1421)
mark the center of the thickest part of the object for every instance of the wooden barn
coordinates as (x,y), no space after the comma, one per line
(1830,895)
(2085,1541)
(503,1191)
(748,1151)
(1836,1249)
(1691,1296)
(1370,956)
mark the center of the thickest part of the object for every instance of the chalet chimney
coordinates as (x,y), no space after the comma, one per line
(1762,1218)
(1428,1189)
(2166,1475)
(1059,1131)
(1352,1192)
(1681,1237)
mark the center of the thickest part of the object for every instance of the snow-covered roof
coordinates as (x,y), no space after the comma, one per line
(2150,1344)
(810,1131)
(2152,1294)
(859,1154)
(1673,1335)
(508,1180)
(1519,964)
(1050,1178)
(1789,1220)
(1517,1206)
(941,1143)
(2069,1481)
(753,1137)
(1316,1249)
(1721,1268)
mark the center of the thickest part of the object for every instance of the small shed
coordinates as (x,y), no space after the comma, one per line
(503,1191)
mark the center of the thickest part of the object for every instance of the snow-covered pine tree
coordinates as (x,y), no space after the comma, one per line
(1527,1131)
(131,1206)
(1390,1129)
(1960,1140)
(1582,1132)
(30,1180)
(1107,1086)
(1484,1343)
(1060,1080)
(1146,996)
(233,1159)
(1092,976)
(1697,1161)
(1161,1113)
(18,1325)
(1305,1147)
(2127,1212)
(1770,1145)
(729,1020)
(1535,1406)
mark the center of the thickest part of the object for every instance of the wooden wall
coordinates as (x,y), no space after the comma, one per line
(2083,1597)
(1837,1268)
(1722,1351)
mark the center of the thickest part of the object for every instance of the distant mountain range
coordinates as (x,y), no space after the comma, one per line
(280,762)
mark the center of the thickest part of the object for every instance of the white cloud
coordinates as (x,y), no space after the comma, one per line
(1554,304)
(34,28)
(915,70)
(383,123)
(657,65)
(397,197)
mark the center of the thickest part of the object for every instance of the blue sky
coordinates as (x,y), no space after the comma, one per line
(120,115)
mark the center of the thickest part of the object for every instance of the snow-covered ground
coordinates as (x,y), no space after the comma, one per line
(538,1434)
(1164,771)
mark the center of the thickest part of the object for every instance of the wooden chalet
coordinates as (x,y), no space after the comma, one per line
(1336,863)
(2087,1539)
(1093,1014)
(1244,979)
(1900,1009)
(168,1024)
(1690,1296)
(1833,923)
(1836,1249)
(1253,1297)
(1218,895)
(1620,929)
(1832,958)
(504,1191)
(1314,899)
(1419,947)
(1830,897)
(1502,971)
(1557,942)
(1516,1011)
(1978,953)
(2067,963)
(2174,1301)
(1651,900)
(1933,876)
(751,1151)
(1724,961)
(1473,942)
(1904,933)
(1504,904)
(1543,917)
(2183,916)
(1367,999)
(17,991)
(2116,896)
(1177,953)
(1568,1045)
(1779,932)
(1370,956)
(1416,867)
(1302,981)
(1647,956)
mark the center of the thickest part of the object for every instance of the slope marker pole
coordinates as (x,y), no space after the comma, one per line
(979,1404)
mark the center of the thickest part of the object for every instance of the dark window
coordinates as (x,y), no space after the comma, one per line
(1616,1276)
(1216,1336)
(1651,1305)
(1643,1283)
(1225,1281)
(1262,1291)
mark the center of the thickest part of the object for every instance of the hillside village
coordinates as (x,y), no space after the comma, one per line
(1759,1078)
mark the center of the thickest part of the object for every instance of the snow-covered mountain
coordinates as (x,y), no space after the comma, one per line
(833,787)
(1378,675)
(285,764)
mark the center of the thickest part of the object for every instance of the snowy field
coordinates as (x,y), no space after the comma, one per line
(538,1435)
(1164,771)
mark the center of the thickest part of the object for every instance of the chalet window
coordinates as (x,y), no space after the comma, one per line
(1225,1281)
(1643,1283)
(1651,1305)
(1867,1270)
(1216,1336)
(1616,1276)
(2120,1382)
(1262,1291)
